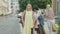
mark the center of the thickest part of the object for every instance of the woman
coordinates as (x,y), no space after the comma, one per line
(36,15)
(39,21)
(28,20)
(50,18)
(4,7)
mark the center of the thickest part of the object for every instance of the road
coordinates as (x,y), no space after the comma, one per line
(9,25)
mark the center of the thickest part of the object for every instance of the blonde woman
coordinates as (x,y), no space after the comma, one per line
(28,20)
(50,18)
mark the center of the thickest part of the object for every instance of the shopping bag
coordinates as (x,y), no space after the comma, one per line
(55,27)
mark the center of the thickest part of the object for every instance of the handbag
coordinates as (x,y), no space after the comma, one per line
(55,27)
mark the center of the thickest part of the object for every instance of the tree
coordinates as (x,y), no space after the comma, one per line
(38,3)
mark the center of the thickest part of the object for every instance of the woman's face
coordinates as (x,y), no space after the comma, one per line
(28,7)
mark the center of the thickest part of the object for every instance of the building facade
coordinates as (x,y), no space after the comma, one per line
(56,9)
(56,6)
(54,3)
(8,6)
(13,6)
(3,7)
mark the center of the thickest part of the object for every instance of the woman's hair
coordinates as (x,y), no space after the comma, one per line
(29,5)
(48,5)
(35,8)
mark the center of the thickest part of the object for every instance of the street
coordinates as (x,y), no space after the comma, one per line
(9,25)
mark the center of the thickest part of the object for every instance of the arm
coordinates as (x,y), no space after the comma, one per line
(52,14)
(22,19)
(34,21)
(22,16)
(46,13)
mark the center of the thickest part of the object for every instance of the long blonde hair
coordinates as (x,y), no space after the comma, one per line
(29,7)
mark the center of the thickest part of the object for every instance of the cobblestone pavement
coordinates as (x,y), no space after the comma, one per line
(9,25)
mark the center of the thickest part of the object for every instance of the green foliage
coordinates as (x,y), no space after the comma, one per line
(59,27)
(38,3)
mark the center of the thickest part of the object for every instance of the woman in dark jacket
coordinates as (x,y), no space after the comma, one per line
(39,18)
